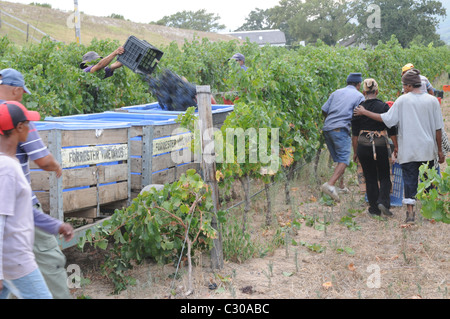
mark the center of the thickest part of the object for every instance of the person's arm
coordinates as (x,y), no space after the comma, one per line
(439,143)
(395,141)
(106,61)
(430,88)
(361,111)
(2,231)
(355,148)
(326,106)
(116,65)
(45,222)
(49,164)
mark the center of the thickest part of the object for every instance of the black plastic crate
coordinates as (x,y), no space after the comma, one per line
(439,94)
(140,56)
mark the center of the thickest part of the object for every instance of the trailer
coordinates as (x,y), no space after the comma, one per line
(108,158)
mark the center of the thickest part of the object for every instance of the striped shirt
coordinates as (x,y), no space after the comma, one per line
(33,149)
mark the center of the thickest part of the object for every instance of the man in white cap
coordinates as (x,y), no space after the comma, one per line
(49,256)
(240,58)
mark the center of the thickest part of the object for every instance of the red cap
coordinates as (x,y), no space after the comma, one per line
(12,113)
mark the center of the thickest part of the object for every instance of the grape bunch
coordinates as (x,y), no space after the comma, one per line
(173,92)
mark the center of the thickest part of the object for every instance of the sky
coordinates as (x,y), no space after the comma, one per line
(232,12)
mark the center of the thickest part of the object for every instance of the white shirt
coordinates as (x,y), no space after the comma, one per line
(18,233)
(418,117)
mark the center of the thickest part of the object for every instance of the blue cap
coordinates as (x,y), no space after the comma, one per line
(354,78)
(13,77)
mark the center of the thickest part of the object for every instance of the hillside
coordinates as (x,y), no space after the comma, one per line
(56,23)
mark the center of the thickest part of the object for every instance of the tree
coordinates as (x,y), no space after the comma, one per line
(327,20)
(258,19)
(309,21)
(408,20)
(116,16)
(199,20)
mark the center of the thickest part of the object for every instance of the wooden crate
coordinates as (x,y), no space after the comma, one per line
(149,154)
(159,154)
(166,157)
(96,171)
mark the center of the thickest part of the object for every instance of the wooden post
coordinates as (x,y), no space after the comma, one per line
(208,165)
(56,184)
(77,22)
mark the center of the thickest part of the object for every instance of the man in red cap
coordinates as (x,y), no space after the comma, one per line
(19,272)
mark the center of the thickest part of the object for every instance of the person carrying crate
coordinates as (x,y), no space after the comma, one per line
(103,64)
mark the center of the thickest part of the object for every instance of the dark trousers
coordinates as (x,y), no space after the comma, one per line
(377,174)
(410,172)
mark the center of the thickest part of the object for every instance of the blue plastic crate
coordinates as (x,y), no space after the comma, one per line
(398,186)
(140,56)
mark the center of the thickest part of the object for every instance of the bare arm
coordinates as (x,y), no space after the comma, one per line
(439,143)
(361,111)
(115,66)
(49,164)
(395,141)
(106,61)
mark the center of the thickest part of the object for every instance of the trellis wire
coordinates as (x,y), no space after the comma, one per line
(228,209)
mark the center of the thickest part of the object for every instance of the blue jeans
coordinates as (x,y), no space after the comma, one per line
(410,172)
(339,144)
(31,286)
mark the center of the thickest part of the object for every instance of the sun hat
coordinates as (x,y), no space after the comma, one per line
(407,67)
(14,78)
(13,113)
(89,57)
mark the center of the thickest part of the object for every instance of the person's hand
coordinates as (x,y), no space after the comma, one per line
(441,157)
(395,155)
(59,172)
(1,285)
(67,231)
(119,51)
(359,110)
(355,158)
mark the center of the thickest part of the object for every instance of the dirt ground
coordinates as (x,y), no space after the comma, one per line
(327,259)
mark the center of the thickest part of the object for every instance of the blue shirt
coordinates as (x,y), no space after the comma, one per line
(339,108)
